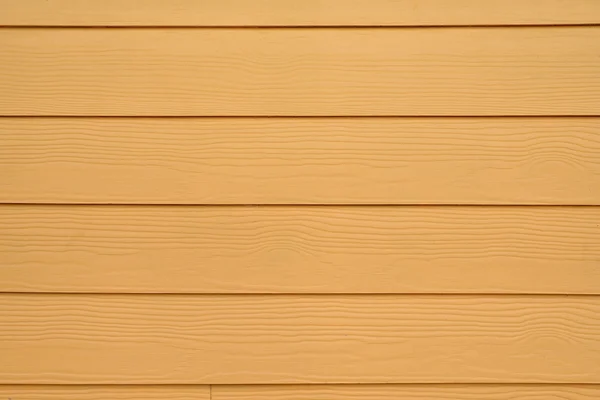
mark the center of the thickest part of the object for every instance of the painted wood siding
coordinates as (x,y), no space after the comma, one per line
(301,160)
(300,249)
(219,13)
(299,200)
(479,71)
(186,339)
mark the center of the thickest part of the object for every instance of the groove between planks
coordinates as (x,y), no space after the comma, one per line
(289,249)
(471,71)
(289,12)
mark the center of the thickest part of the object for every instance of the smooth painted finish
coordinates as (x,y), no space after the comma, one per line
(158,249)
(403,392)
(113,392)
(229,72)
(300,160)
(196,339)
(296,13)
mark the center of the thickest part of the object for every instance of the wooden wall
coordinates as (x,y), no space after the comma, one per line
(299,200)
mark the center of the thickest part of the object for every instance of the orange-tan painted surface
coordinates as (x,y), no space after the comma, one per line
(547,160)
(296,13)
(299,200)
(300,249)
(464,71)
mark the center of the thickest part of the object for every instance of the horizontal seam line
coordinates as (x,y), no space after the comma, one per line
(296,116)
(100,385)
(303,26)
(264,205)
(299,294)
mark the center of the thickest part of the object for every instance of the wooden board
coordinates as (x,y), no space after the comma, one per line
(111,392)
(229,72)
(402,392)
(302,392)
(211,339)
(300,160)
(299,249)
(298,13)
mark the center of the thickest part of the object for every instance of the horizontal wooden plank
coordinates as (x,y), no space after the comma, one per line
(109,392)
(208,72)
(300,160)
(404,392)
(299,249)
(295,13)
(303,392)
(234,339)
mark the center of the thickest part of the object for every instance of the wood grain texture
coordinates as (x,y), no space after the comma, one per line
(303,392)
(212,339)
(207,72)
(404,392)
(299,249)
(108,392)
(300,160)
(296,13)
